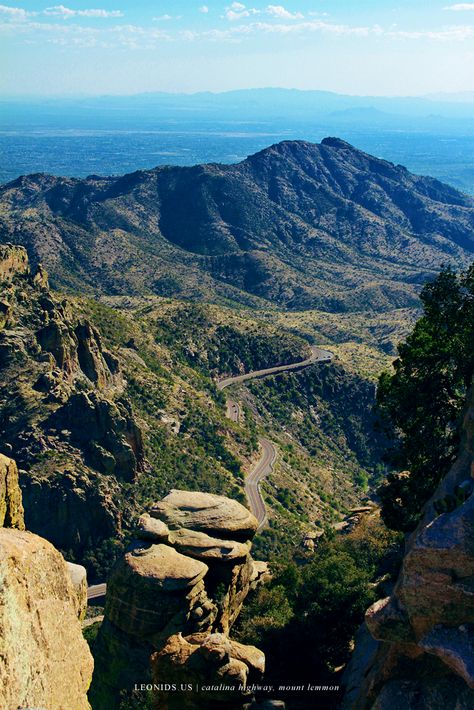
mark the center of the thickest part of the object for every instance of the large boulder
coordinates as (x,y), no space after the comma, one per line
(206,512)
(187,572)
(195,662)
(44,660)
(154,590)
(78,577)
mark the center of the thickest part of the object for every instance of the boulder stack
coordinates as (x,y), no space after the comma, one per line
(175,594)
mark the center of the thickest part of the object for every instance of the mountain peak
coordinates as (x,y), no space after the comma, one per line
(332,142)
(299,224)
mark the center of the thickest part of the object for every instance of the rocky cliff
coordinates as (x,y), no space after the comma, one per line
(62,412)
(424,658)
(172,599)
(44,660)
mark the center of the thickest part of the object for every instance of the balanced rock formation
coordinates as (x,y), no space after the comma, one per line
(44,660)
(425,656)
(172,599)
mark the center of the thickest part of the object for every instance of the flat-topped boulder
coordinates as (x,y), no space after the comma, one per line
(202,546)
(154,588)
(161,567)
(186,575)
(206,512)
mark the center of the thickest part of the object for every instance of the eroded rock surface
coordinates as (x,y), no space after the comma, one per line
(203,660)
(426,627)
(175,595)
(78,577)
(207,513)
(63,412)
(13,261)
(11,506)
(44,660)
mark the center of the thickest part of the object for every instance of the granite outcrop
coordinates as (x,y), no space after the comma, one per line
(422,656)
(44,660)
(11,505)
(63,412)
(173,598)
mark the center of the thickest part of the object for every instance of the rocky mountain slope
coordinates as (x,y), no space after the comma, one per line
(107,408)
(62,412)
(298,224)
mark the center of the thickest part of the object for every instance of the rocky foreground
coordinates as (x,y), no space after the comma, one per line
(44,660)
(421,653)
(171,603)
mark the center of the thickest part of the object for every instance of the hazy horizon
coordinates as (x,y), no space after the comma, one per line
(124,47)
(441,96)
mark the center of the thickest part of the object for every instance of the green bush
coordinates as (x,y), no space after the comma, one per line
(421,403)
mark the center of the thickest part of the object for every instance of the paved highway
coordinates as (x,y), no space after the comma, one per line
(96,591)
(252,483)
(265,464)
(317,355)
(233,410)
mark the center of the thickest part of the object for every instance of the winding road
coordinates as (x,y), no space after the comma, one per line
(252,483)
(264,465)
(317,355)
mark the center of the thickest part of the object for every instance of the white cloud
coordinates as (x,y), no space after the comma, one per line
(283,14)
(311,26)
(18,23)
(238,32)
(79,36)
(165,18)
(460,6)
(66,12)
(15,12)
(204,9)
(459,33)
(238,11)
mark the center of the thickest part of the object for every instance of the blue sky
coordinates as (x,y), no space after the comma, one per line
(384,47)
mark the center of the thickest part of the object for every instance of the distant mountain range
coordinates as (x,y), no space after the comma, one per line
(244,104)
(297,225)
